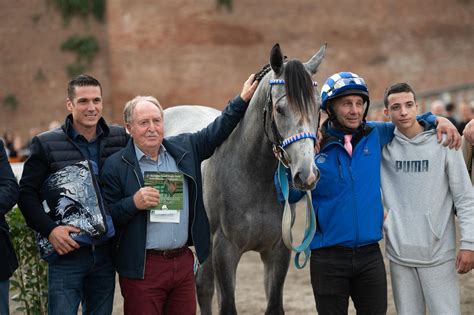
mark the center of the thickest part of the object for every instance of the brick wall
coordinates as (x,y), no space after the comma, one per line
(189,52)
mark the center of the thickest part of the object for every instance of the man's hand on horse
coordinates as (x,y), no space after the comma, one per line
(249,88)
(61,240)
(469,132)
(453,138)
(146,198)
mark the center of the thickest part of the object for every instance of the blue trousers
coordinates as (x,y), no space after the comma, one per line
(85,275)
(338,273)
(4,287)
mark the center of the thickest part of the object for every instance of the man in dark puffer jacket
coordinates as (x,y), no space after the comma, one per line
(81,272)
(8,198)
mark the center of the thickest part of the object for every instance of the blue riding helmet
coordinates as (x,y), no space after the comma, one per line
(343,83)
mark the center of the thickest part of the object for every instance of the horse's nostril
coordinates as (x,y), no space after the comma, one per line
(297,180)
(306,182)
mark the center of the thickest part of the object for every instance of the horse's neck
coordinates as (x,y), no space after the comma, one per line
(250,139)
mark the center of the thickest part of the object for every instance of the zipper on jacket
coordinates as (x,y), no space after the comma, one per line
(146,225)
(340,167)
(354,197)
(100,201)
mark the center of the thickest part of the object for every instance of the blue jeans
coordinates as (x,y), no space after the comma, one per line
(85,275)
(4,287)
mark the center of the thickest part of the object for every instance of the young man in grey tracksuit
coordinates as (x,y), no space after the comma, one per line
(422,182)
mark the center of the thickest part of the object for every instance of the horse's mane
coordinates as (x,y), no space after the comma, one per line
(299,87)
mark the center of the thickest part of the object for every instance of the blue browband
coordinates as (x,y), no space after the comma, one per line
(281,81)
(298,136)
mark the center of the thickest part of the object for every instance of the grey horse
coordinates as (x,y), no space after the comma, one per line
(239,193)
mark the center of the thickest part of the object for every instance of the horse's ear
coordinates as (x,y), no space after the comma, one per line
(276,59)
(312,65)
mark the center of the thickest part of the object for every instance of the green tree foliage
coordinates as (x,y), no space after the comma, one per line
(29,282)
(228,4)
(86,49)
(82,8)
(10,101)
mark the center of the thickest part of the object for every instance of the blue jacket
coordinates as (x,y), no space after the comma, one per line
(347,199)
(121,177)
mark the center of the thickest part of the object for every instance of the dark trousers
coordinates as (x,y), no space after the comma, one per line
(339,272)
(168,288)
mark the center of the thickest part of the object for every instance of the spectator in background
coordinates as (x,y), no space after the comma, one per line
(25,151)
(54,124)
(466,112)
(450,114)
(467,151)
(12,145)
(377,115)
(8,198)
(468,148)
(437,108)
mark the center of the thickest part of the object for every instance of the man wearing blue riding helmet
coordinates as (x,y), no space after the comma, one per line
(346,260)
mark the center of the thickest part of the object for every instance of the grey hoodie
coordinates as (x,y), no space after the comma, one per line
(421,181)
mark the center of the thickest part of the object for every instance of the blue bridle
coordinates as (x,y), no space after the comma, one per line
(279,144)
(288,219)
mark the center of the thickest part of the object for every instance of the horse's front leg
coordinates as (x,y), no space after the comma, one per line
(205,286)
(225,258)
(276,262)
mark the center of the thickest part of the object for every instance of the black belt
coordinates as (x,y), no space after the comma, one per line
(338,248)
(169,253)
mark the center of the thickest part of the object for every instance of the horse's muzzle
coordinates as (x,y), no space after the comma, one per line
(308,182)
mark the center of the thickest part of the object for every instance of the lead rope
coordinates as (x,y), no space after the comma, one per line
(288,221)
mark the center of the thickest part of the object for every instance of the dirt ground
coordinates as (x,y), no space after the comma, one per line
(298,295)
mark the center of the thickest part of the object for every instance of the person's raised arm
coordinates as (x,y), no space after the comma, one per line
(209,138)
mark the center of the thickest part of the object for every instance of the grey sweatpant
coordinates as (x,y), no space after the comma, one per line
(415,288)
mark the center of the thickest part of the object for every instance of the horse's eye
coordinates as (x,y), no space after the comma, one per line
(280,110)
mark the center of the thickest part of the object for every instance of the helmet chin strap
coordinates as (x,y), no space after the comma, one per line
(333,119)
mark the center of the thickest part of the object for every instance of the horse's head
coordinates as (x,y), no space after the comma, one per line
(293,113)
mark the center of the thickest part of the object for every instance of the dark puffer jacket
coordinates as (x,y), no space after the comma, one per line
(51,151)
(8,198)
